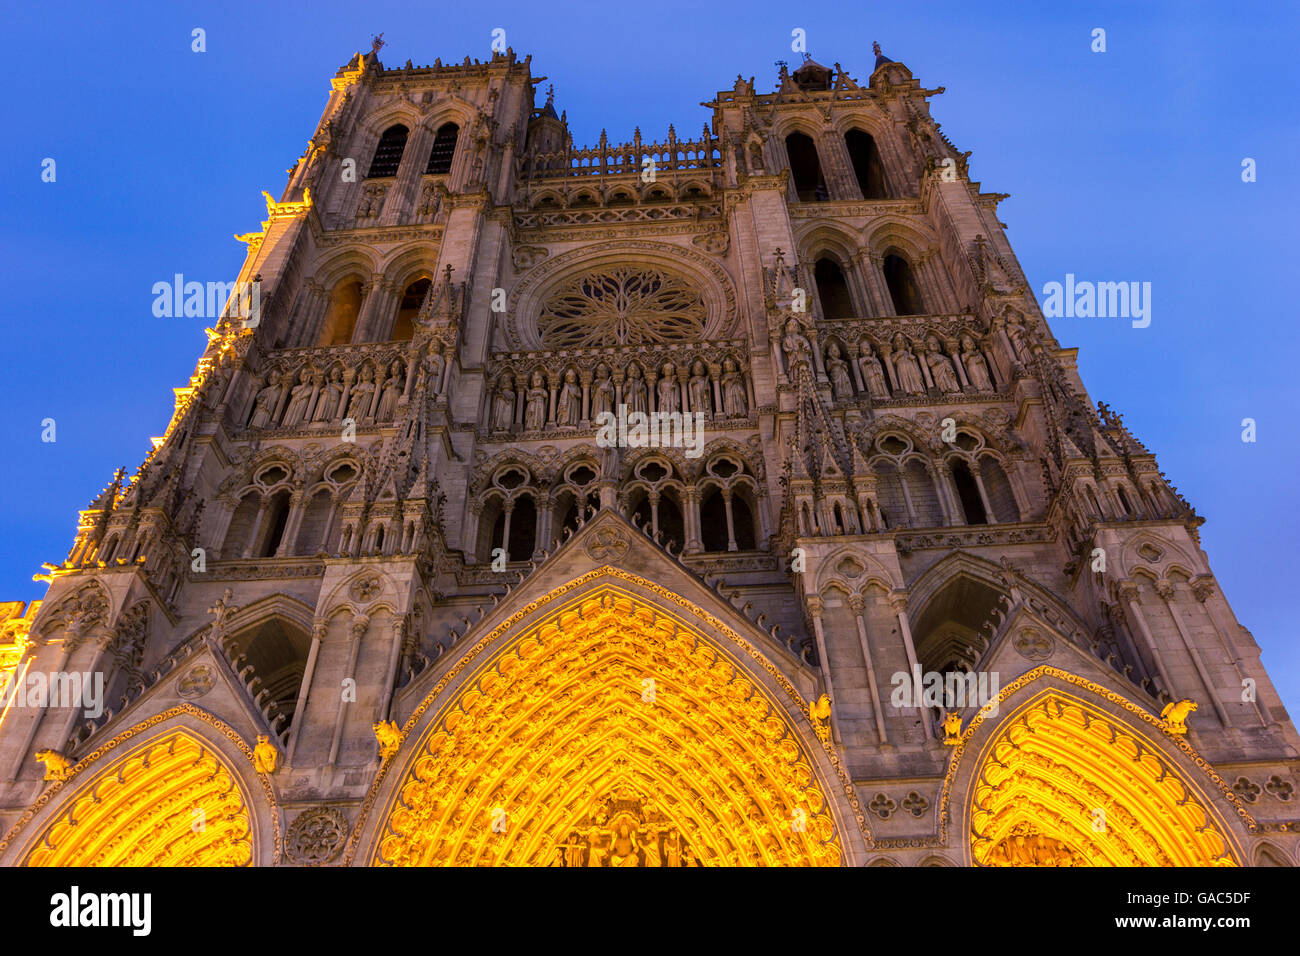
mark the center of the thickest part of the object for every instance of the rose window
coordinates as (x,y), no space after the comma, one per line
(626,306)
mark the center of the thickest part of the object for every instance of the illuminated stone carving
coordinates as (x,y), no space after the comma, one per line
(531,752)
(172,802)
(1065,785)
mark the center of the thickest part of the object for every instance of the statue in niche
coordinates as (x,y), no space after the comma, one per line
(669,395)
(635,394)
(907,369)
(977,370)
(264,405)
(698,390)
(602,397)
(795,345)
(434,364)
(673,848)
(568,409)
(298,399)
(838,371)
(392,392)
(873,375)
(327,402)
(945,379)
(734,404)
(623,847)
(535,410)
(503,404)
(361,393)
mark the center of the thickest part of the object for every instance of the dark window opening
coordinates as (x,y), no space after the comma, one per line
(523,530)
(832,290)
(444,150)
(805,168)
(868,168)
(408,309)
(713,522)
(275,524)
(971,505)
(388,154)
(902,286)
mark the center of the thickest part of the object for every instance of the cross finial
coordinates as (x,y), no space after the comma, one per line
(875,48)
(376,43)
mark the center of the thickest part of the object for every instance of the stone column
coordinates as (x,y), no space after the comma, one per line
(898,603)
(859,606)
(360,623)
(1128,595)
(815,607)
(300,710)
(1165,589)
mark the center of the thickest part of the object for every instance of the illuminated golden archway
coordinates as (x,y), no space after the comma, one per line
(171,802)
(610,733)
(1065,784)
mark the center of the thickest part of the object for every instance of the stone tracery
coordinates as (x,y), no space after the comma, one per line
(622,306)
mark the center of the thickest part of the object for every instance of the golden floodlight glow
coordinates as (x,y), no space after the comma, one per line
(1066,785)
(171,802)
(610,734)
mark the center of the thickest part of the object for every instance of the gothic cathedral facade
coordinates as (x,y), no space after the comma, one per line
(710,501)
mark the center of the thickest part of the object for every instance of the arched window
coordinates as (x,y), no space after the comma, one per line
(805,168)
(444,150)
(903,290)
(924,495)
(341,319)
(969,494)
(713,522)
(273,522)
(1123,500)
(832,290)
(866,164)
(742,522)
(671,525)
(315,522)
(241,525)
(388,154)
(1001,498)
(523,530)
(277,652)
(408,309)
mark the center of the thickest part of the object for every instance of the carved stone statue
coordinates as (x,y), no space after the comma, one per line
(945,379)
(264,404)
(535,410)
(434,364)
(734,404)
(698,390)
(361,393)
(977,370)
(670,399)
(602,396)
(503,404)
(568,408)
(635,393)
(264,755)
(298,399)
(838,371)
(327,401)
(873,375)
(907,369)
(387,410)
(795,345)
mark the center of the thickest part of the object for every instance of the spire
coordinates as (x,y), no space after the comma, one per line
(549,108)
(881,59)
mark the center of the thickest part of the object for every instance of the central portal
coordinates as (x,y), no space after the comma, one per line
(609,732)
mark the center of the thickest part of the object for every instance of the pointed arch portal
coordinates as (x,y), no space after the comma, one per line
(1064,784)
(610,733)
(170,802)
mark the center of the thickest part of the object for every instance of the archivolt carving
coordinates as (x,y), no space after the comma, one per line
(607,697)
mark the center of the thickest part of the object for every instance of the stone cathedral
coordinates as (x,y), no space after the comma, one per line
(885,588)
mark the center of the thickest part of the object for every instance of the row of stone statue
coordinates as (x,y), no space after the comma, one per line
(902,371)
(370,396)
(575,398)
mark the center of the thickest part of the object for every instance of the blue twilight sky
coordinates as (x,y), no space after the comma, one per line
(1123,165)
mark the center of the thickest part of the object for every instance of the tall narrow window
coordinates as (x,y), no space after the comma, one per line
(832,290)
(444,150)
(805,168)
(903,289)
(523,530)
(408,309)
(388,154)
(713,522)
(867,166)
(341,320)
(276,518)
(971,505)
